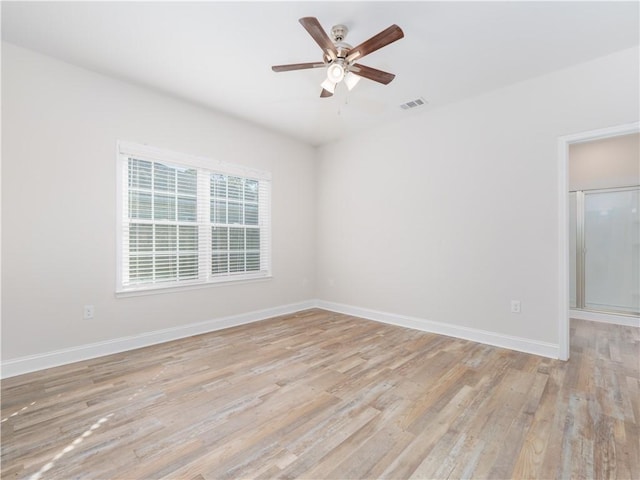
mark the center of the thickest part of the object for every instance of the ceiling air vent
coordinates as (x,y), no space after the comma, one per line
(413,103)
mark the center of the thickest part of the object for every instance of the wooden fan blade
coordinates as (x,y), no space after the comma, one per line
(312,25)
(385,37)
(296,66)
(372,73)
(325,93)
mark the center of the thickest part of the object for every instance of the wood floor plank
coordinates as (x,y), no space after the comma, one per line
(530,458)
(324,395)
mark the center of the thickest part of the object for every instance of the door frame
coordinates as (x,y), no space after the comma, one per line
(563,221)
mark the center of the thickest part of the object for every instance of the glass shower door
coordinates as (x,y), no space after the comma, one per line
(612,250)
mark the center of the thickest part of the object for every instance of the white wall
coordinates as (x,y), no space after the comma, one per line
(60,125)
(605,163)
(444,216)
(448,215)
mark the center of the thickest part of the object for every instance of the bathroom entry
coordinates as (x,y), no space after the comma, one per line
(604,200)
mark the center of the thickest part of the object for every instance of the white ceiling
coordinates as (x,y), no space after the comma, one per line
(218,54)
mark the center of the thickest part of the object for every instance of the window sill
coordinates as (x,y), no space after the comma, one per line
(156,290)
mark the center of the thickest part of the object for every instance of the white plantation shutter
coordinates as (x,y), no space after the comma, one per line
(188,221)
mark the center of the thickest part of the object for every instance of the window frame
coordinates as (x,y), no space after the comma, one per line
(205,167)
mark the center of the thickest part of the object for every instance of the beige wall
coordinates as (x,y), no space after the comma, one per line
(606,163)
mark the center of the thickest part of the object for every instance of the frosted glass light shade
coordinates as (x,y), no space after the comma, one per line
(351,80)
(329,85)
(335,73)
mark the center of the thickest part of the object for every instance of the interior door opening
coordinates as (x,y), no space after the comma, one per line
(567,289)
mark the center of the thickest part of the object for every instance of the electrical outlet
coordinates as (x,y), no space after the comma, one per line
(515,306)
(88,312)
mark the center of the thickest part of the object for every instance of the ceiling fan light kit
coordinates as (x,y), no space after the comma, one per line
(335,71)
(339,57)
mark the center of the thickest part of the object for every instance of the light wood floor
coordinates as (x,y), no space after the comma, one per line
(322,395)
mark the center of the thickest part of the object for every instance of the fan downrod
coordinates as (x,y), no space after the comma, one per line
(339,33)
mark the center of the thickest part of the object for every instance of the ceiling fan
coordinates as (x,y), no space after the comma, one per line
(339,58)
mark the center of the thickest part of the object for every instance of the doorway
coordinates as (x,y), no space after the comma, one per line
(564,231)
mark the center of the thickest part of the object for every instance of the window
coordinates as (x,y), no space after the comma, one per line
(188,221)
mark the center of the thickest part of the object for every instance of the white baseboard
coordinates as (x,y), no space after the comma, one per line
(626,320)
(481,336)
(32,363)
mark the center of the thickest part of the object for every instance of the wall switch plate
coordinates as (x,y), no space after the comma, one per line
(88,312)
(515,306)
